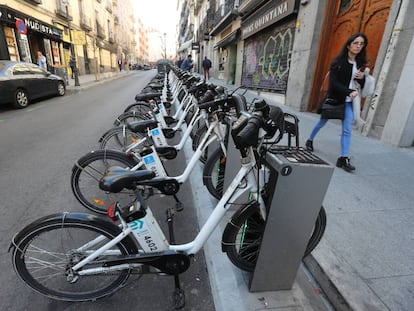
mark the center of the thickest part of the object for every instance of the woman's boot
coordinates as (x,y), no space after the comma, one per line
(343,162)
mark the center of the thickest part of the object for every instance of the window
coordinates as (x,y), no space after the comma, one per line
(20,69)
(37,71)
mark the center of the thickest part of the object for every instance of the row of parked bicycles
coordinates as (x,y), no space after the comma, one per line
(89,255)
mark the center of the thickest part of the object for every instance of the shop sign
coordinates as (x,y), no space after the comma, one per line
(33,24)
(195,46)
(268,15)
(78,37)
(21,21)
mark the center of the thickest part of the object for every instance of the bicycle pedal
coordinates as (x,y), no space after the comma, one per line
(179,207)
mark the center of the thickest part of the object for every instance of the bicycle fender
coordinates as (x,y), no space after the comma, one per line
(84,158)
(225,240)
(94,220)
(110,130)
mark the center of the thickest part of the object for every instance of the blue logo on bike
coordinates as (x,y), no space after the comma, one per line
(155,132)
(149,159)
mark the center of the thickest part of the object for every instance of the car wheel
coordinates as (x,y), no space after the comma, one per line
(21,99)
(61,89)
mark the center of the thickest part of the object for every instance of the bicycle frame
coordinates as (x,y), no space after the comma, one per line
(214,133)
(147,228)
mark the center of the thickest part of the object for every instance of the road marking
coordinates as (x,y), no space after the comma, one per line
(35,107)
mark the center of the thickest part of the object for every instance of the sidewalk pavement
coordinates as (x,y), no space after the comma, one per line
(365,261)
(87,81)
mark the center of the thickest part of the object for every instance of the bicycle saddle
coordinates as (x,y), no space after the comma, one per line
(142,125)
(117,178)
(147,96)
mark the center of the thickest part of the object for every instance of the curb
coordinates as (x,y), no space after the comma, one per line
(87,85)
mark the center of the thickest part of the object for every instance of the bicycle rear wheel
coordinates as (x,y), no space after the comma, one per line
(86,174)
(44,255)
(243,236)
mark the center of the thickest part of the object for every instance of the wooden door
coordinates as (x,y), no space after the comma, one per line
(344,18)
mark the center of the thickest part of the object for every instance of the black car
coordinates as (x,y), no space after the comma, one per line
(22,82)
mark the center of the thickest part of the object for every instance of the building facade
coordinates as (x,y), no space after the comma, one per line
(102,33)
(284,47)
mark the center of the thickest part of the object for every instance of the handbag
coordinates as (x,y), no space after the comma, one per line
(330,109)
(369,86)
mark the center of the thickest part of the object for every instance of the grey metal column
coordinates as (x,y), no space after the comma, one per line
(303,179)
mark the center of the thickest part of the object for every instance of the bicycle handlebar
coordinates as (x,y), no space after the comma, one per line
(245,132)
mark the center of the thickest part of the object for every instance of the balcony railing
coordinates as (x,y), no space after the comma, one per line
(223,11)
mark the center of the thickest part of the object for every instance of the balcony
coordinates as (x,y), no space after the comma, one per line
(225,14)
(100,31)
(111,37)
(197,6)
(247,6)
(85,22)
(34,1)
(61,10)
(109,6)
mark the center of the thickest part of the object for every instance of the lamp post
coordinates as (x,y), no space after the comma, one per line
(72,48)
(165,45)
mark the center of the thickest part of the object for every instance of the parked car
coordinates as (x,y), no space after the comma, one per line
(21,82)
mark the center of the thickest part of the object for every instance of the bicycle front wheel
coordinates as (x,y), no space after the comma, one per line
(44,256)
(86,174)
(243,236)
(121,138)
(213,173)
(141,108)
(129,116)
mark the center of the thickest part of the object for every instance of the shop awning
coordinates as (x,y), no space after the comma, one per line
(233,37)
(185,45)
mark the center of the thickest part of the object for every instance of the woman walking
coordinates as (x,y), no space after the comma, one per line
(348,66)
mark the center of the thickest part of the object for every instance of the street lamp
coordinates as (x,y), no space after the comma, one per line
(165,45)
(72,49)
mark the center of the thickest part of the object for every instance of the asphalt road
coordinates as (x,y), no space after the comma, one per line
(38,147)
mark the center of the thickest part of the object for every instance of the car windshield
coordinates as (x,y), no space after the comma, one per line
(2,65)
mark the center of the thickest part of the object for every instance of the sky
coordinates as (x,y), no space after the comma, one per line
(160,15)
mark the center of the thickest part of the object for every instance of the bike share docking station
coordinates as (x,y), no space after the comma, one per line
(300,180)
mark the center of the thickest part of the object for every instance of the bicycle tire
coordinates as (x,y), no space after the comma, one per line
(140,107)
(197,137)
(44,253)
(129,116)
(86,174)
(243,236)
(120,138)
(213,173)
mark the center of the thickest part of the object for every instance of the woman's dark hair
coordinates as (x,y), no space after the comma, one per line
(361,58)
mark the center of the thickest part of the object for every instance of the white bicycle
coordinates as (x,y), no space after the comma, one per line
(79,257)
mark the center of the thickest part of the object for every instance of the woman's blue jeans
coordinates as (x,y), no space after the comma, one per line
(346,129)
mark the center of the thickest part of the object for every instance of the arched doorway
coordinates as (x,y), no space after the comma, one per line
(342,19)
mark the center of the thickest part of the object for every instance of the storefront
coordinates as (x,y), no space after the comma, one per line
(268,36)
(21,36)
